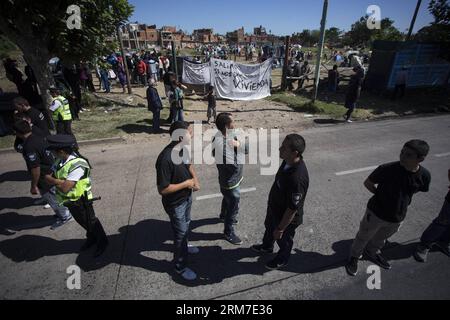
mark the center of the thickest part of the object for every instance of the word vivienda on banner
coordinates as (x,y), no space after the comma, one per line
(231,80)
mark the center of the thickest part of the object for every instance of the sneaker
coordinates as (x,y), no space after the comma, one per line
(193,249)
(444,247)
(259,248)
(60,222)
(233,239)
(275,264)
(352,266)
(187,274)
(378,259)
(421,253)
(349,121)
(47,206)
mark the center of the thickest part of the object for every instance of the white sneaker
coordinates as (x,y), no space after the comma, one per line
(193,249)
(349,121)
(47,206)
(187,274)
(60,222)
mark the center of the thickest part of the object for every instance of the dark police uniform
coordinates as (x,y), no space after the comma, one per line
(35,154)
(38,120)
(288,191)
(35,131)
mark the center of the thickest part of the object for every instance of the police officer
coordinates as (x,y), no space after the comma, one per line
(286,199)
(39,162)
(61,112)
(36,117)
(71,176)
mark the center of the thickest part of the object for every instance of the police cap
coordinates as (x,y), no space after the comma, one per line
(58,141)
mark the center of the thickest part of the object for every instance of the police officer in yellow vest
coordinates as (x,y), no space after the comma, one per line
(71,176)
(61,112)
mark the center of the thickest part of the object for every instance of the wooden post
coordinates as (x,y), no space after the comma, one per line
(285,64)
(319,54)
(125,65)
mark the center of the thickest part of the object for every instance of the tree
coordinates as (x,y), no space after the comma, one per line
(333,35)
(439,29)
(40,30)
(360,35)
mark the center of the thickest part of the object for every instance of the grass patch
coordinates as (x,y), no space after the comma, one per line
(98,124)
(369,105)
(303,104)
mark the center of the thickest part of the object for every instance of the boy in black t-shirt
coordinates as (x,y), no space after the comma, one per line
(175,183)
(396,183)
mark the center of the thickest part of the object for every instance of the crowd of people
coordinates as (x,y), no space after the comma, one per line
(392,184)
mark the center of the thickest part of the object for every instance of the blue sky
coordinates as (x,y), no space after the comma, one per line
(280,16)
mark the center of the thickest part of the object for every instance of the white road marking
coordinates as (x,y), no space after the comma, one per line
(218,195)
(341,173)
(442,154)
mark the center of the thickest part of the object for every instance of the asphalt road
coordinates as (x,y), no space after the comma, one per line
(137,265)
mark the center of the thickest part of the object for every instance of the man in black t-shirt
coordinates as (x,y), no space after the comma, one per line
(396,183)
(286,200)
(39,162)
(176,179)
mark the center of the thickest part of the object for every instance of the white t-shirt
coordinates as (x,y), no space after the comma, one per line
(76,174)
(55,105)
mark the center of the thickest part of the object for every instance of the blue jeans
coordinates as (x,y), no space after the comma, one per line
(155,121)
(439,229)
(287,239)
(177,114)
(180,219)
(230,207)
(105,80)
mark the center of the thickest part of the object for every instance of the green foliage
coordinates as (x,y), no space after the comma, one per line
(333,35)
(439,30)
(46,21)
(360,35)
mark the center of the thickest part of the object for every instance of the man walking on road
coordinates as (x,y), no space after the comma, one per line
(176,180)
(393,185)
(286,200)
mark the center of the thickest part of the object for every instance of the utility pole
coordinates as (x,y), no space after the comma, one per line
(285,64)
(319,54)
(174,55)
(413,21)
(125,65)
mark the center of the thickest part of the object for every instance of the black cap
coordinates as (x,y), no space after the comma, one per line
(58,141)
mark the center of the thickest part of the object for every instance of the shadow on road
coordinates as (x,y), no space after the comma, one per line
(18,222)
(17,203)
(18,175)
(139,246)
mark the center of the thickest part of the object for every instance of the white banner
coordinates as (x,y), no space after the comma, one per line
(238,81)
(196,73)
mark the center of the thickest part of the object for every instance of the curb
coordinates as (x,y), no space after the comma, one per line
(81,143)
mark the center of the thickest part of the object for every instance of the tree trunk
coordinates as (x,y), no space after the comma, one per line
(37,56)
